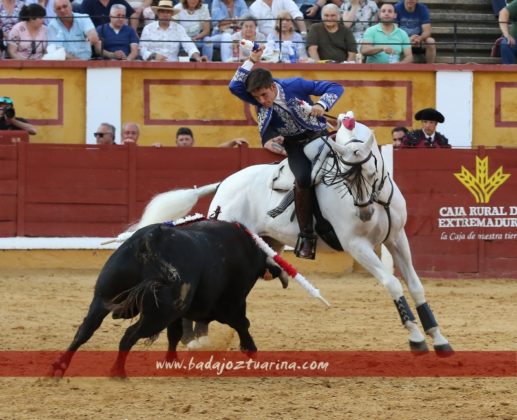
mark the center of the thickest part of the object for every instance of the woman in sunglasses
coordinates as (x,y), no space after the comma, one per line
(28,38)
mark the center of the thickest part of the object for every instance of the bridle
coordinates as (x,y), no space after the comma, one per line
(343,173)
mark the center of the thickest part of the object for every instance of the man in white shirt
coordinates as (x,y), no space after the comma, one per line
(161,40)
(266,12)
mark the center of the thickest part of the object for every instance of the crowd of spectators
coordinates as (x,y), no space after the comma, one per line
(210,30)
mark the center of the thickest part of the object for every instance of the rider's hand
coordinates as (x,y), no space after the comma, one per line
(275,145)
(317,110)
(256,55)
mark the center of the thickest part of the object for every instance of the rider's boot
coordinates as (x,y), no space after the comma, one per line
(306,243)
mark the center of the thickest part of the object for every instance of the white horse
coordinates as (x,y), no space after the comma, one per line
(356,195)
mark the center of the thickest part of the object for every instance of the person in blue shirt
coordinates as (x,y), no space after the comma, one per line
(119,41)
(413,17)
(73,31)
(286,126)
(99,11)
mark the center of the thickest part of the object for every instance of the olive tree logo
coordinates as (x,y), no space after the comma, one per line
(482,186)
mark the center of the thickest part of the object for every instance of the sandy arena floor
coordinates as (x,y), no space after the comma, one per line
(41,310)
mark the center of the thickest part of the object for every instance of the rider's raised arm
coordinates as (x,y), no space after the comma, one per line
(238,83)
(329,92)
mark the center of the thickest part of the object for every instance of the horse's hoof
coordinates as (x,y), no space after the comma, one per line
(418,348)
(444,350)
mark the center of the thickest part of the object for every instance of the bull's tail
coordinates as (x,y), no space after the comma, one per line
(174,204)
(130,303)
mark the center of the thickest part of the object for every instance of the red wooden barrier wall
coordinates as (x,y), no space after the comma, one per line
(82,190)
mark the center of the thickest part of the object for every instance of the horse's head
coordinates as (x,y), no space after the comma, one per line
(353,145)
(354,140)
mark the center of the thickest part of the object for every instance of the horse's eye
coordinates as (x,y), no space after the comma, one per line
(356,152)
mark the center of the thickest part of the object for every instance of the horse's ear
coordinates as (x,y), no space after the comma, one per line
(347,120)
(340,119)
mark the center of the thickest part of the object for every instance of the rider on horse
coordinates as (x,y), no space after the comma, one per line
(286,126)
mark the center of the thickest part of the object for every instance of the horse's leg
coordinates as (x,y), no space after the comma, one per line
(400,250)
(364,254)
(96,314)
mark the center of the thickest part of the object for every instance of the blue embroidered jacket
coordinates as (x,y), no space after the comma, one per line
(293,121)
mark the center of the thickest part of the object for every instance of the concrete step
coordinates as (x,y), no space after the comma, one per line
(459,4)
(442,16)
(463,30)
(449,59)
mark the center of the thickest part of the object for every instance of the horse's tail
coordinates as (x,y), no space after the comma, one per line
(173,204)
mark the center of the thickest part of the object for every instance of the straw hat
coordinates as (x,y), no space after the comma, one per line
(165,5)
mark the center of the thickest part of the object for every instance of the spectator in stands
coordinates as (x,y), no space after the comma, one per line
(427,136)
(9,14)
(509,44)
(330,39)
(310,9)
(359,15)
(28,38)
(185,138)
(119,41)
(386,43)
(194,16)
(73,31)
(9,120)
(497,6)
(397,135)
(226,15)
(48,5)
(266,13)
(248,31)
(105,134)
(161,40)
(286,40)
(100,11)
(413,17)
(141,8)
(130,133)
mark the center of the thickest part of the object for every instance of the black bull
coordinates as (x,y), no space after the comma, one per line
(201,271)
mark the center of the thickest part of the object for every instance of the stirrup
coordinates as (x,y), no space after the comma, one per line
(306,246)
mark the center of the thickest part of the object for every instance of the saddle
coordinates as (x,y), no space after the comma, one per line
(282,181)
